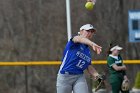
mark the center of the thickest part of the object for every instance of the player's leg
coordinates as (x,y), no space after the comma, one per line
(80,85)
(63,85)
(115,82)
(64,89)
(115,87)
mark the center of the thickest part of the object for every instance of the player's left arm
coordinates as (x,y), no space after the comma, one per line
(124,72)
(92,71)
(99,78)
(125,77)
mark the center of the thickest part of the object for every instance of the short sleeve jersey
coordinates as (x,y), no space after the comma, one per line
(111,60)
(76,58)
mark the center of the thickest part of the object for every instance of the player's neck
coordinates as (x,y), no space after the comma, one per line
(113,54)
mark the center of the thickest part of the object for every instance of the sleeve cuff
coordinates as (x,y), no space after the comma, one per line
(111,65)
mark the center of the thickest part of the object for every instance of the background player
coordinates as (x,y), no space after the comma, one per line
(116,68)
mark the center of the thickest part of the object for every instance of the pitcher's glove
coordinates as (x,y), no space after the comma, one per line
(100,80)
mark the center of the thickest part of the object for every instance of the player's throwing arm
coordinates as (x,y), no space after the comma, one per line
(76,59)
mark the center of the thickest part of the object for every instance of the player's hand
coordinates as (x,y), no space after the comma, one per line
(100,79)
(125,78)
(97,48)
(124,67)
(95,76)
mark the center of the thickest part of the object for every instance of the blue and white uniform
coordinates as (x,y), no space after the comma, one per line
(76,59)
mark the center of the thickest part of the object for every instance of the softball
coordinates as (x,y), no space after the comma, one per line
(89,5)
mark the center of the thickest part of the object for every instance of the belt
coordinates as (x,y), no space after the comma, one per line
(69,73)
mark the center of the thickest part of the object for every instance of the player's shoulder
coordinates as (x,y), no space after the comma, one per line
(109,58)
(71,42)
(74,38)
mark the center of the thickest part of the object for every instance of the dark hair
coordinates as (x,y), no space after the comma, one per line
(108,51)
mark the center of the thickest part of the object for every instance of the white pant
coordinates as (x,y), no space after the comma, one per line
(67,83)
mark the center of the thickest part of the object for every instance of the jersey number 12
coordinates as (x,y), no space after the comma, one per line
(80,64)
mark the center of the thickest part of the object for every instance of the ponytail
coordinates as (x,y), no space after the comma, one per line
(108,51)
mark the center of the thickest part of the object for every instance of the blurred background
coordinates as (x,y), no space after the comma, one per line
(36,30)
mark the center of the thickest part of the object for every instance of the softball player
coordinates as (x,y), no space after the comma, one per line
(76,59)
(117,69)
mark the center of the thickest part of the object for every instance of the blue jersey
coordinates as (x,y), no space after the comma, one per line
(76,58)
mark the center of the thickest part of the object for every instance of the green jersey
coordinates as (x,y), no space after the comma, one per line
(111,60)
(116,77)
